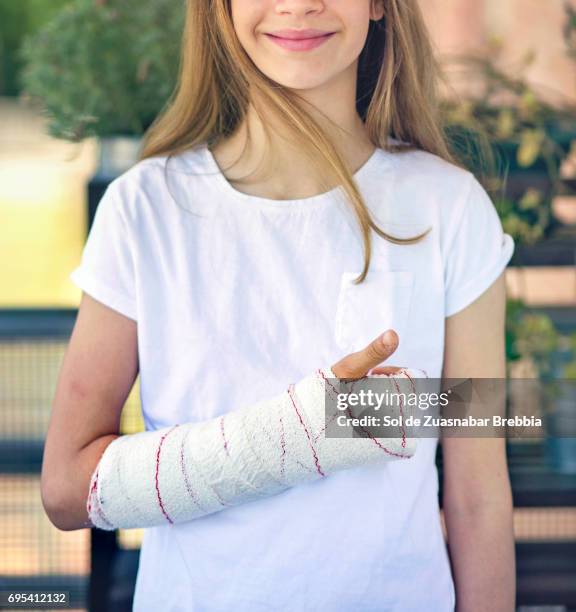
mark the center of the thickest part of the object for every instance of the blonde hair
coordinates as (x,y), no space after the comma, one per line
(397,97)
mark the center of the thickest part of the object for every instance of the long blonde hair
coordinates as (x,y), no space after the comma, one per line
(397,97)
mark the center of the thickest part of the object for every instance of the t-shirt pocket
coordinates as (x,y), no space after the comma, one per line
(363,312)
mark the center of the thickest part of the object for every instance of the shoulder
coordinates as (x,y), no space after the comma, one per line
(431,173)
(151,183)
(144,176)
(424,189)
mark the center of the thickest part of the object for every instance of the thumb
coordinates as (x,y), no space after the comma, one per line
(357,365)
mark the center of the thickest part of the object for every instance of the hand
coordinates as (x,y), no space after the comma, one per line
(357,365)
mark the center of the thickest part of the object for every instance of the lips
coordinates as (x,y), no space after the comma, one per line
(299,40)
(300,34)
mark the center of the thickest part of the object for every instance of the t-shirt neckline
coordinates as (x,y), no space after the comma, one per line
(258,201)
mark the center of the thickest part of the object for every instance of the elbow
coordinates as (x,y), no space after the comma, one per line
(58,507)
(59,520)
(53,511)
(53,506)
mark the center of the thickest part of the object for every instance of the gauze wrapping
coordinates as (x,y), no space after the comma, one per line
(186,471)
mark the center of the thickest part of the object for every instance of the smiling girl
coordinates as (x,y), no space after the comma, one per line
(294,200)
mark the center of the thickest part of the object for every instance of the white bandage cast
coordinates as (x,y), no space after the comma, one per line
(186,471)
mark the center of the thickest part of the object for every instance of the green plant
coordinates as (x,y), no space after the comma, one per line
(527,133)
(530,335)
(104,67)
(568,348)
(538,338)
(514,310)
(16,20)
(527,218)
(570,29)
(534,336)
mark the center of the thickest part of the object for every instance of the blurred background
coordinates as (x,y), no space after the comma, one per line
(81,80)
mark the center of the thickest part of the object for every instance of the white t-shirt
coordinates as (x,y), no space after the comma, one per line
(237,296)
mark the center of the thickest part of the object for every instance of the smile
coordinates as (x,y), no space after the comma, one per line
(300,44)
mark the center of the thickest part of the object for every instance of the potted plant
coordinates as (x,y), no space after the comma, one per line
(104,68)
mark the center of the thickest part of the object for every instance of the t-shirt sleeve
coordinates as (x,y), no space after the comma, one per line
(477,251)
(106,270)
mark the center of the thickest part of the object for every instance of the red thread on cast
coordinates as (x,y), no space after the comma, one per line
(316,461)
(403,371)
(363,429)
(320,377)
(222,502)
(283,446)
(92,489)
(223,436)
(389,452)
(156,475)
(401,413)
(306,468)
(185,473)
(94,492)
(103,516)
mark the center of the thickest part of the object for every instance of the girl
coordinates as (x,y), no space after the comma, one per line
(296,199)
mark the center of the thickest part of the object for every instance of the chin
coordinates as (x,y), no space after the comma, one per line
(300,81)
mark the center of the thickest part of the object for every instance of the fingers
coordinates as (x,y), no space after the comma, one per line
(357,365)
(386,370)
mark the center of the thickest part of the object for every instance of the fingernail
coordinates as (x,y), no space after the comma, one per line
(387,339)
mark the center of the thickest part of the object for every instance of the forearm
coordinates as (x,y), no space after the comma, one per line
(186,471)
(481,545)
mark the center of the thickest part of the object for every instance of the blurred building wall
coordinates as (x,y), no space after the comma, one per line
(522,25)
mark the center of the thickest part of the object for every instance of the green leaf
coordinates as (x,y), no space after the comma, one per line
(530,146)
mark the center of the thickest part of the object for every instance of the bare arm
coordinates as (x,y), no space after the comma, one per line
(98,371)
(97,374)
(477,498)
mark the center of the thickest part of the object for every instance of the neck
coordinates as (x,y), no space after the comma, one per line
(290,176)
